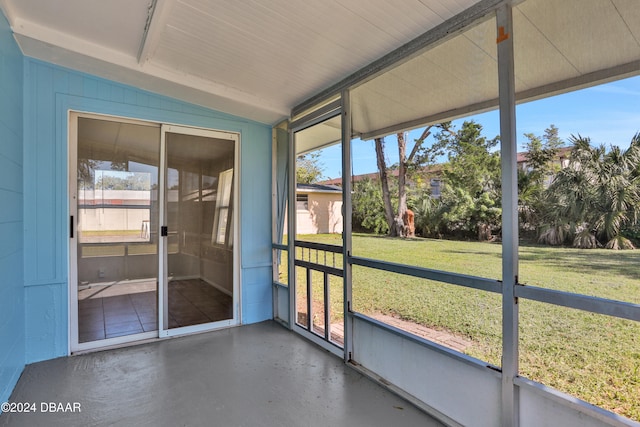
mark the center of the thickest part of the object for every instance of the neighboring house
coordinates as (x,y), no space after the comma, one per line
(318,209)
(561,161)
(433,174)
(356,178)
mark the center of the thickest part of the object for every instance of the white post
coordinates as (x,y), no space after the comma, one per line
(291,228)
(506,77)
(346,222)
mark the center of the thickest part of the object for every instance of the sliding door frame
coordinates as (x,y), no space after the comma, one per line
(72,186)
(163,274)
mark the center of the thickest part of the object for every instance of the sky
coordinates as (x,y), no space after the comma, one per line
(608,114)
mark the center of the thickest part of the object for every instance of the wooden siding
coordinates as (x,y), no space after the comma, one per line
(50,92)
(12,330)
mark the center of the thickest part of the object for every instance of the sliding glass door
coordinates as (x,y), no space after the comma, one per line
(114,218)
(152,230)
(198,228)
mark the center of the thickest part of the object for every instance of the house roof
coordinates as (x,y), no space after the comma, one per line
(563,153)
(434,170)
(361,177)
(266,61)
(318,188)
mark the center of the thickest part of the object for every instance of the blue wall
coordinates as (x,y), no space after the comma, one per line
(49,92)
(11,291)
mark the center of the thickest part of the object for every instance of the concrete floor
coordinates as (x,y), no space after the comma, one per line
(255,375)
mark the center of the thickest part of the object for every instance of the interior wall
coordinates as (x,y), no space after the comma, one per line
(12,329)
(195,221)
(49,93)
(133,267)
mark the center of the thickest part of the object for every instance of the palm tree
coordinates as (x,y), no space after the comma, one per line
(619,195)
(595,197)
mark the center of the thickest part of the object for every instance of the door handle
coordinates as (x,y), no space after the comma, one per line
(164,231)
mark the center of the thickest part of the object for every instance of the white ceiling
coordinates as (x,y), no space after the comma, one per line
(253,58)
(322,135)
(259,59)
(559,46)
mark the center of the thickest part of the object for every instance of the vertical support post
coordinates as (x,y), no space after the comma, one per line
(346,223)
(291,228)
(163,276)
(327,307)
(309,300)
(506,76)
(280,185)
(274,221)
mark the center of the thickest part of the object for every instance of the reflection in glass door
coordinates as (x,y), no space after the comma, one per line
(198,285)
(114,216)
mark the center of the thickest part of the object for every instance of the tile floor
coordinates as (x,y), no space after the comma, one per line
(132,308)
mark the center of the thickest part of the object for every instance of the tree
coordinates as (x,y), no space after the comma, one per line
(593,199)
(471,195)
(532,180)
(541,152)
(368,211)
(86,171)
(420,157)
(384,184)
(309,170)
(109,180)
(429,215)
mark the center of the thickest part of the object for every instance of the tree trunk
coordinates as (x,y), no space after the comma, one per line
(402,191)
(398,224)
(484,232)
(386,196)
(409,223)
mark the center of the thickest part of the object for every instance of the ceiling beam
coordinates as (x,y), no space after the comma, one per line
(150,10)
(159,12)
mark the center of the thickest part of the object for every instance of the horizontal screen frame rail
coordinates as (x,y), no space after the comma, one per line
(481,283)
(592,304)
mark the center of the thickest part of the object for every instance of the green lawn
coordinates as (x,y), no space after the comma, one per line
(593,357)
